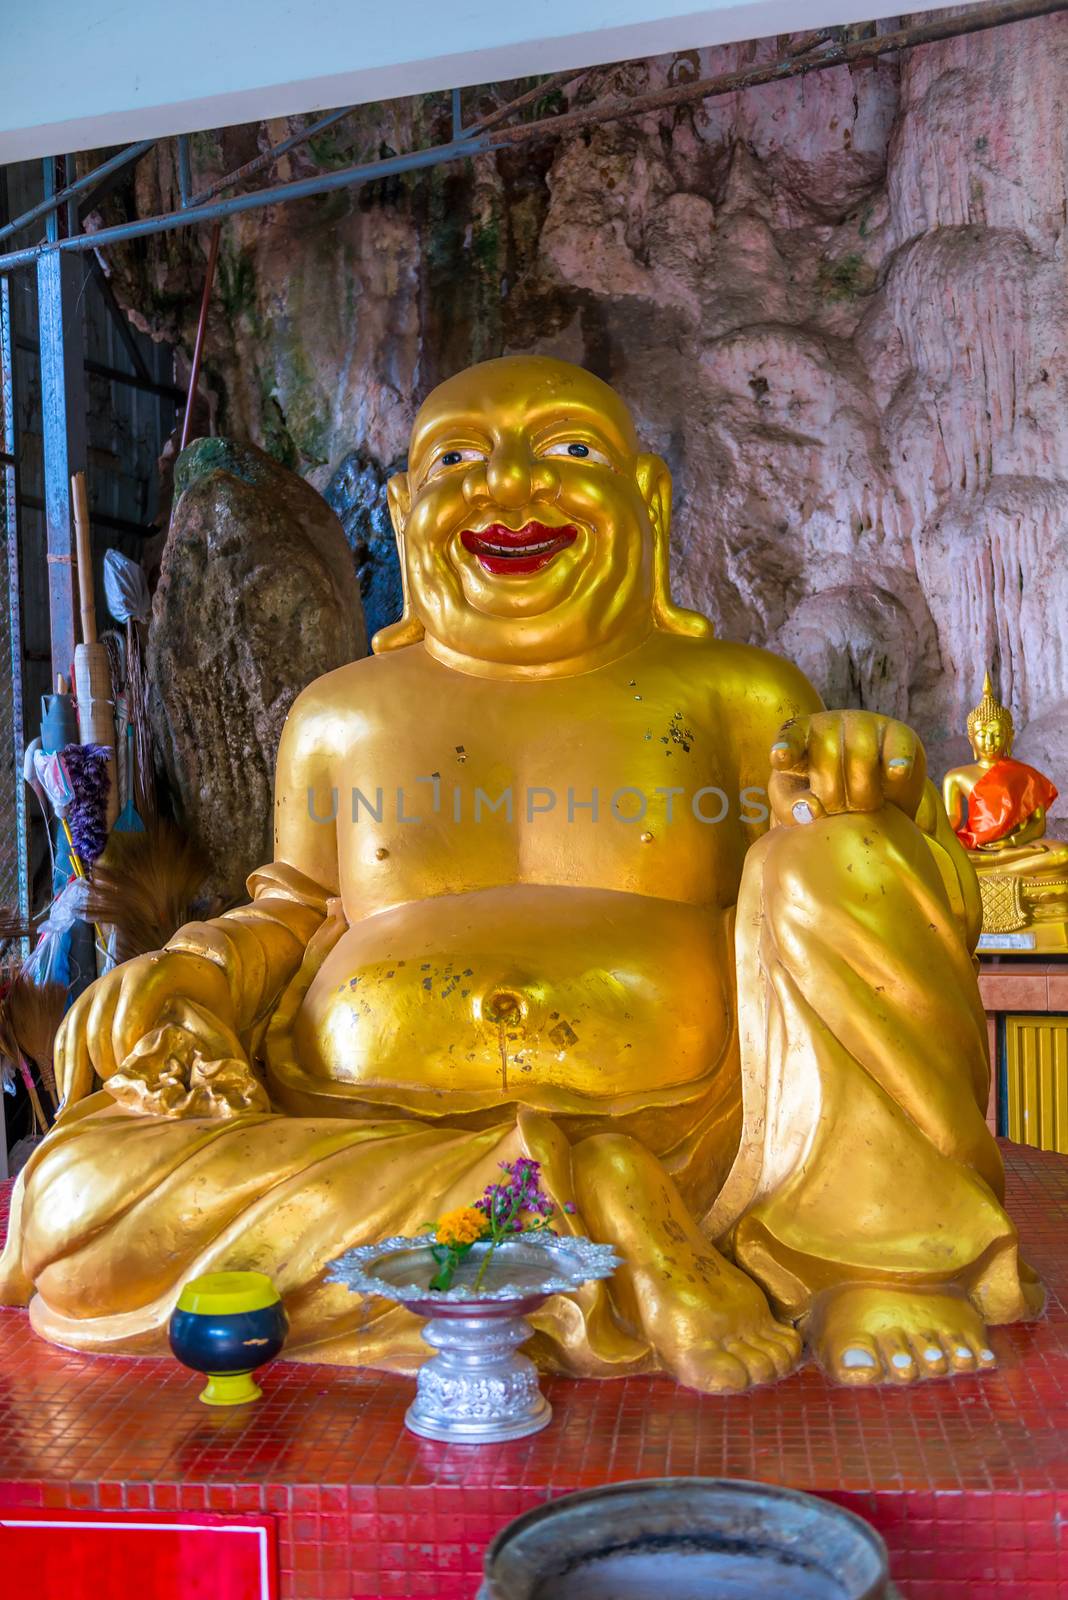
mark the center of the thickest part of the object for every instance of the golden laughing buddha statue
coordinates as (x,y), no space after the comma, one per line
(997,807)
(526,900)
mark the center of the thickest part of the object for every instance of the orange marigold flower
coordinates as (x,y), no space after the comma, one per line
(462,1226)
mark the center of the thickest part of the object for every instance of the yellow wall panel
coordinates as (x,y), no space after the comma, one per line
(1036,1080)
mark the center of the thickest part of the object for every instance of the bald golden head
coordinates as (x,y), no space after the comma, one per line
(531,527)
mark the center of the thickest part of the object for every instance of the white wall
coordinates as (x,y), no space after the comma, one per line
(81,74)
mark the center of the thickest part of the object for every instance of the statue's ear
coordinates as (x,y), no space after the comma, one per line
(654,486)
(407,629)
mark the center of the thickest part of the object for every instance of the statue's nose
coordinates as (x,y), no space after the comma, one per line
(508,477)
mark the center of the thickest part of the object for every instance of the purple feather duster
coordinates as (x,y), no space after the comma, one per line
(87,768)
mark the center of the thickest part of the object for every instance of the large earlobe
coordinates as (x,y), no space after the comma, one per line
(407,629)
(654,486)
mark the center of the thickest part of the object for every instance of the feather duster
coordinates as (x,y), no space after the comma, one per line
(145,886)
(87,769)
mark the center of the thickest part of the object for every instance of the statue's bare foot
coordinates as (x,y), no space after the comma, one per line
(718,1333)
(708,1323)
(869,1333)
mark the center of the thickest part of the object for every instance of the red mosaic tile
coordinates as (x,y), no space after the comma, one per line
(967,1479)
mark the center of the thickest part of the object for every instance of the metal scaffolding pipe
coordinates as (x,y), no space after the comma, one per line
(559,80)
(52,203)
(486,143)
(267,159)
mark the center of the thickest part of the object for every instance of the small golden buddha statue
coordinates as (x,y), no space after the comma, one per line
(557,874)
(997,807)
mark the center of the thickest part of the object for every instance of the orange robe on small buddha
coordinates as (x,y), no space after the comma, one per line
(1003,799)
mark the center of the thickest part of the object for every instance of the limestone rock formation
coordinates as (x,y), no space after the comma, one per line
(257,596)
(837,305)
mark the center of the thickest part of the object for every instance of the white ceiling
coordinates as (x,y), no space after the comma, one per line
(82,74)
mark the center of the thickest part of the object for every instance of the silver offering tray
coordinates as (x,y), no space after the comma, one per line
(478,1388)
(527,1268)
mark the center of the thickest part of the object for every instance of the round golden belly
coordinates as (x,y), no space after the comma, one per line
(587,990)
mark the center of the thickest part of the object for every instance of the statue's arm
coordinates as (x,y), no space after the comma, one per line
(951,858)
(204,997)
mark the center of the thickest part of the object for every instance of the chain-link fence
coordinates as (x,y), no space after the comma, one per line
(14,887)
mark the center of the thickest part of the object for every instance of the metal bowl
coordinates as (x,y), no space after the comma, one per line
(690,1538)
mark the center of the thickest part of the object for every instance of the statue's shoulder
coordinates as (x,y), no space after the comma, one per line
(742,678)
(355,686)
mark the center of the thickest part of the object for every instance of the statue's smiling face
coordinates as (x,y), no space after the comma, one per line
(524,516)
(991,739)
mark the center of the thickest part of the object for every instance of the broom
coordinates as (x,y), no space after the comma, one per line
(10,1051)
(34,1012)
(145,886)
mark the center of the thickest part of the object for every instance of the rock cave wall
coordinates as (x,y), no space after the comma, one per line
(838,307)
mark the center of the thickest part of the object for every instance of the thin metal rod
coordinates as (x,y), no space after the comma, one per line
(99,519)
(300,189)
(553,127)
(185,169)
(268,158)
(559,80)
(457,115)
(848,53)
(52,202)
(202,323)
(132,380)
(97,369)
(48,170)
(120,320)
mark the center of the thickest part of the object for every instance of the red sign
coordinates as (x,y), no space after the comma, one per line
(113,1555)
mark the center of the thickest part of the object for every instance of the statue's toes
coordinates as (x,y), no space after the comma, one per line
(756,1357)
(898,1362)
(713,1369)
(855,1361)
(968,1353)
(787,1343)
(929,1349)
(769,1353)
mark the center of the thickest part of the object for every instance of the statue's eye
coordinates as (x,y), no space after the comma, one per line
(455,458)
(578,451)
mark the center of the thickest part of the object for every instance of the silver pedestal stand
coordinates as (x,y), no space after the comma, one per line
(478,1388)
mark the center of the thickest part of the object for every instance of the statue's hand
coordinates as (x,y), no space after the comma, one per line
(836,761)
(189,995)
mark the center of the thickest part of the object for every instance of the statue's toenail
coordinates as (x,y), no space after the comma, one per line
(803,812)
(858,1358)
(932,1354)
(901,1360)
(963,1352)
(987,1355)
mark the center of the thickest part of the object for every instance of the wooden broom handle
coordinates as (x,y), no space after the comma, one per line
(85,557)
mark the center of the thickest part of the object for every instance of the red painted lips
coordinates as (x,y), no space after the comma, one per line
(517,550)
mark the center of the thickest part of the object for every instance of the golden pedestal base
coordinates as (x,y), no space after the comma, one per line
(1012,923)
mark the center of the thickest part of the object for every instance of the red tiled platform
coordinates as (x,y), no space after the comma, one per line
(967,1479)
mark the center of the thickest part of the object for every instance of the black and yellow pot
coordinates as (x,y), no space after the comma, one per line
(227,1324)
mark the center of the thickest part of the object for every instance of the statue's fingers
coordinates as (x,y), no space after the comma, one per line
(904,764)
(140,989)
(862,764)
(791,745)
(792,802)
(826,764)
(100,1020)
(72,1062)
